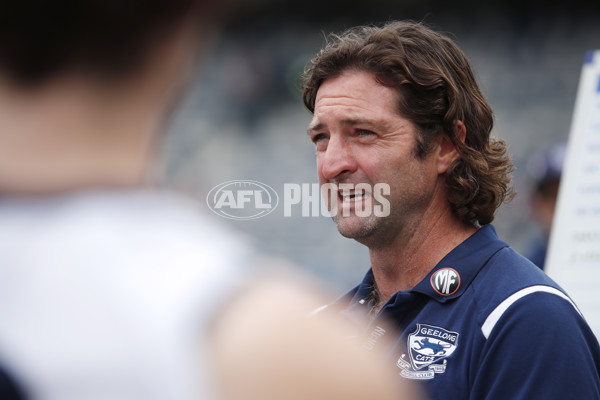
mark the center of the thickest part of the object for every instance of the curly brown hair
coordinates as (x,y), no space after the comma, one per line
(436,88)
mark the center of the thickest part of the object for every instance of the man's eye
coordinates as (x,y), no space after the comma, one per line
(364,132)
(319,137)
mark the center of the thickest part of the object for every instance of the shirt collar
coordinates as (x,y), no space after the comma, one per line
(461,265)
(362,295)
(466,260)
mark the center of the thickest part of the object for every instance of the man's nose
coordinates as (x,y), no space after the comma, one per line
(337,160)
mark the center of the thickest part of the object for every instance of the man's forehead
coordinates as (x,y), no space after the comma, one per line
(355,94)
(349,84)
(365,114)
(317,124)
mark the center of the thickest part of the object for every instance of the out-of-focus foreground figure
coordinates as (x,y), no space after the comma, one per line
(109,287)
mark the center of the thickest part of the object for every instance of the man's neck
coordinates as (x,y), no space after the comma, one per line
(404,263)
(69,135)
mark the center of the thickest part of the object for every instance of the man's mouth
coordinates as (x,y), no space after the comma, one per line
(352,195)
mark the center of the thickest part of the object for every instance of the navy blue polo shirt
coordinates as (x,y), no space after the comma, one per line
(485,323)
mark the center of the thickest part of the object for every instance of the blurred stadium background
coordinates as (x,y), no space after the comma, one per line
(243,117)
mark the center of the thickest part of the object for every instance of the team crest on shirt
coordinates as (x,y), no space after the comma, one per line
(428,348)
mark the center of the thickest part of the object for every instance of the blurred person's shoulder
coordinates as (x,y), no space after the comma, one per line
(269,344)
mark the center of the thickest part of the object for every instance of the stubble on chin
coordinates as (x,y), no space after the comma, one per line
(355,227)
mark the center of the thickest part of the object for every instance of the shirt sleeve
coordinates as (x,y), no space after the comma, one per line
(539,348)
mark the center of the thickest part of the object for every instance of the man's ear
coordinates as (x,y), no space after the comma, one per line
(447,152)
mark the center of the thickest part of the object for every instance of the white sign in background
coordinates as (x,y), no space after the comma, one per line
(573,259)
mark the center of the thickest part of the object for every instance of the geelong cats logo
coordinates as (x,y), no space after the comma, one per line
(428,347)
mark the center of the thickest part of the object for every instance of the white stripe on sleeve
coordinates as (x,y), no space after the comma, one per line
(495,315)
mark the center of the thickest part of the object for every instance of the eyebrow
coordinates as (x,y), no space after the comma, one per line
(347,121)
(314,127)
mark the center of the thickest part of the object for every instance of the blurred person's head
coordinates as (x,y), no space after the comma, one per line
(544,169)
(86,85)
(436,90)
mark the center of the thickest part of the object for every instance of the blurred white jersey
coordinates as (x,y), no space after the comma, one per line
(108,295)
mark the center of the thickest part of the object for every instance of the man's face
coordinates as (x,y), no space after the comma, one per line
(360,138)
